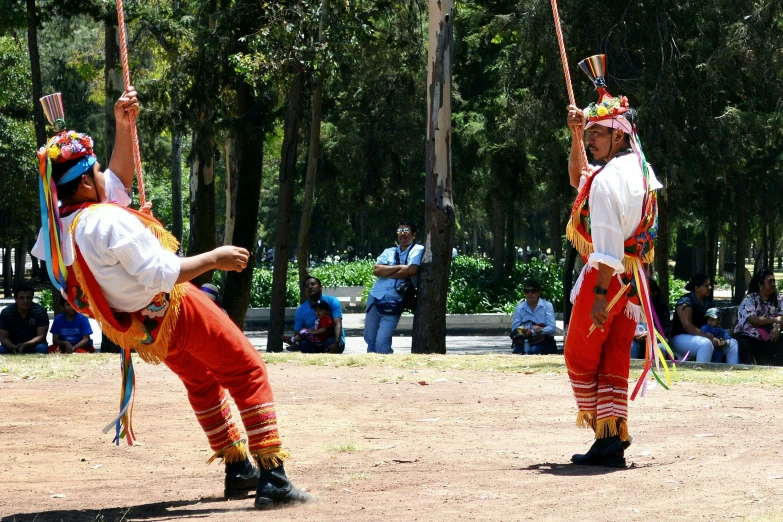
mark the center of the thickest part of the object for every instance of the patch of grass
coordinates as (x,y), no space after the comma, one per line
(57,367)
(352,477)
(345,447)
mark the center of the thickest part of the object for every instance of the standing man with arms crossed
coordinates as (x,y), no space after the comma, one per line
(613,220)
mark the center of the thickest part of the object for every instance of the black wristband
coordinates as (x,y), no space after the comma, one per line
(600,291)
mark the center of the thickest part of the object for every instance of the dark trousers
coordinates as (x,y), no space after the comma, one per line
(756,351)
(547,347)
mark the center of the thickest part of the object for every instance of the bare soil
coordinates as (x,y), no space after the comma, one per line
(376,445)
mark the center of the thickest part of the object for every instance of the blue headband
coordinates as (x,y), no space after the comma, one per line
(77,170)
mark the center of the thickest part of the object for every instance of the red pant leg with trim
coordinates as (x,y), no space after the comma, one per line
(598,365)
(211,355)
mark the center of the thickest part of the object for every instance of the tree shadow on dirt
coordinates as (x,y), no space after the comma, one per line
(158,511)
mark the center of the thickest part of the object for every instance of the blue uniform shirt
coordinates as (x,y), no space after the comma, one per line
(305,315)
(386,287)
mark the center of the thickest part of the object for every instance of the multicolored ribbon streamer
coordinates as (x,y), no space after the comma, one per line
(122,423)
(50,220)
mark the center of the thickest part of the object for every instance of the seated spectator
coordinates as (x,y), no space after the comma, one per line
(315,339)
(306,317)
(214,294)
(23,325)
(661,307)
(759,321)
(713,327)
(534,321)
(71,332)
(689,316)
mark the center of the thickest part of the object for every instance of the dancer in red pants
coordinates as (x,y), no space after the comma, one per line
(612,225)
(119,266)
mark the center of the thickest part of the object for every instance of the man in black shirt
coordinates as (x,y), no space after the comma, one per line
(23,325)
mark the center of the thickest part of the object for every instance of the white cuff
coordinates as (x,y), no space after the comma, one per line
(597,258)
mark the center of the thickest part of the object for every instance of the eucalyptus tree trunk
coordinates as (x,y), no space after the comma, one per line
(111,77)
(21,257)
(285,208)
(232,152)
(303,243)
(247,179)
(662,242)
(429,323)
(202,190)
(177,218)
(740,284)
(35,70)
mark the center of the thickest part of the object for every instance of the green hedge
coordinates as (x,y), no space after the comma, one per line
(471,289)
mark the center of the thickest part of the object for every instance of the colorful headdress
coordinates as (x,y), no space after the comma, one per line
(64,146)
(608,109)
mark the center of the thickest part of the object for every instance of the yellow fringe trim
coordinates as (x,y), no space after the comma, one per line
(271,460)
(610,427)
(586,419)
(237,452)
(155,352)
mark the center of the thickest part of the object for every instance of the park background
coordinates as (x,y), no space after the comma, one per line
(240,94)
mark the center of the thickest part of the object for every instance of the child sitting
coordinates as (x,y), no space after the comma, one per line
(314,340)
(712,327)
(71,332)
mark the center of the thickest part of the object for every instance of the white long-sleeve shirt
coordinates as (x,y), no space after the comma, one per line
(615,200)
(126,259)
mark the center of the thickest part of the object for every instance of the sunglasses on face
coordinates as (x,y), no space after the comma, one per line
(403,230)
(531,290)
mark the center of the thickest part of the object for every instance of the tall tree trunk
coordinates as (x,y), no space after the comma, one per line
(285,208)
(248,158)
(202,191)
(7,270)
(662,242)
(429,323)
(177,218)
(709,256)
(21,257)
(35,70)
(303,243)
(511,251)
(232,156)
(568,282)
(742,227)
(112,83)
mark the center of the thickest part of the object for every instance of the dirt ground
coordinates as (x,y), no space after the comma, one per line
(375,445)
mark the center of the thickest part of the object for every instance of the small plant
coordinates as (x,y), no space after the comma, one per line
(345,447)
(45,298)
(676,290)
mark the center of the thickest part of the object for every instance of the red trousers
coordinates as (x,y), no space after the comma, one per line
(211,356)
(598,365)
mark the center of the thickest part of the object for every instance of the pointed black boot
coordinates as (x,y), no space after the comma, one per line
(274,489)
(604,452)
(241,479)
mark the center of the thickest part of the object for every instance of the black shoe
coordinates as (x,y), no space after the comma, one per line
(241,479)
(274,489)
(604,452)
(627,443)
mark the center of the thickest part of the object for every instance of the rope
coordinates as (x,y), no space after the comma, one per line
(126,79)
(564,59)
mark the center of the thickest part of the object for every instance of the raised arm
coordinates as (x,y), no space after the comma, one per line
(121,163)
(576,124)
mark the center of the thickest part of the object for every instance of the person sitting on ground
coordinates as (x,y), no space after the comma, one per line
(71,332)
(713,327)
(690,315)
(661,307)
(306,317)
(23,325)
(321,333)
(213,293)
(759,322)
(534,321)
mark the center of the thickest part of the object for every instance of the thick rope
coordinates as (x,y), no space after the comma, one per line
(566,71)
(126,78)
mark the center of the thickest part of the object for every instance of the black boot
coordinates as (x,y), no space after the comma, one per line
(275,489)
(241,478)
(604,452)
(627,443)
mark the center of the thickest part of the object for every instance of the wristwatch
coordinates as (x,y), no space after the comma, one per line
(600,291)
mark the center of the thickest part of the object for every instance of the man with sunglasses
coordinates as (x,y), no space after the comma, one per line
(393,268)
(534,321)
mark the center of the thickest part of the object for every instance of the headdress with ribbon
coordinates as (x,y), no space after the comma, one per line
(62,147)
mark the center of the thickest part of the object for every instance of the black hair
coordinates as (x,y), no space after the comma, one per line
(69,189)
(308,277)
(758,279)
(23,288)
(532,283)
(408,223)
(696,281)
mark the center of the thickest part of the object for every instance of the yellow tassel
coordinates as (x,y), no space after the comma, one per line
(622,426)
(237,452)
(586,419)
(606,428)
(271,460)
